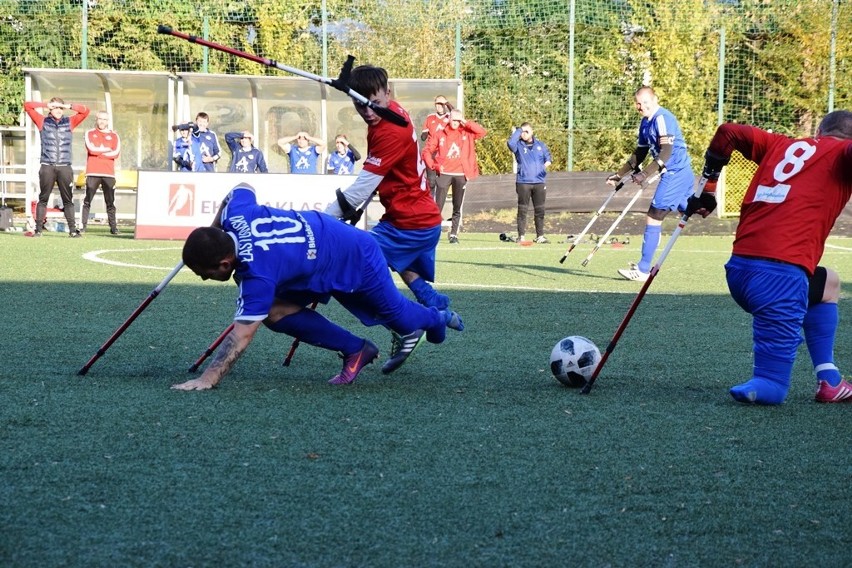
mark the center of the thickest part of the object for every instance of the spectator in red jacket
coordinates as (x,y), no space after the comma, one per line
(451,152)
(103,146)
(56,134)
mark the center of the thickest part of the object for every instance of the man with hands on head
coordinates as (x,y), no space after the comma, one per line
(304,155)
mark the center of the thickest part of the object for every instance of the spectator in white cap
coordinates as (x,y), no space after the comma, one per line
(245,158)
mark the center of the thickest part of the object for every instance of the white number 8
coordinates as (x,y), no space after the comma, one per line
(795,157)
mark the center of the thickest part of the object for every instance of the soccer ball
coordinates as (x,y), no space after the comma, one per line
(573,360)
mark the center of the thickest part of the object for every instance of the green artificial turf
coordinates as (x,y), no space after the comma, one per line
(471,454)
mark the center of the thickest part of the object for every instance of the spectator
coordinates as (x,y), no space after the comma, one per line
(452,154)
(342,161)
(533,159)
(434,122)
(186,153)
(304,156)
(103,146)
(245,158)
(208,143)
(659,134)
(799,189)
(55,130)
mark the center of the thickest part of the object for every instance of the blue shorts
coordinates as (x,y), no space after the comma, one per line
(410,249)
(674,189)
(776,295)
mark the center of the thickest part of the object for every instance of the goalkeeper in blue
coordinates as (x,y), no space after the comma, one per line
(661,137)
(283,260)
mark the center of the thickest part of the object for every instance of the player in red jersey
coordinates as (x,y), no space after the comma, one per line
(410,229)
(800,187)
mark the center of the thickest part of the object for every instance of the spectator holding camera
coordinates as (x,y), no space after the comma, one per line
(533,159)
(186,153)
(452,154)
(342,161)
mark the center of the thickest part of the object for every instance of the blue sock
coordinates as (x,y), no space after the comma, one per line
(770,383)
(428,296)
(649,246)
(311,327)
(820,326)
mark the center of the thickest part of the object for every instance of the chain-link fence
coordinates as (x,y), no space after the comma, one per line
(569,67)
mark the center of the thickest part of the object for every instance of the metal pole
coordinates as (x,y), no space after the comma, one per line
(205,33)
(570,164)
(84,54)
(324,39)
(720,101)
(832,56)
(458,51)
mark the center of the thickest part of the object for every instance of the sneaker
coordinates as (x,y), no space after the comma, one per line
(454,240)
(633,265)
(840,393)
(75,234)
(352,364)
(632,274)
(522,238)
(114,231)
(37,234)
(401,349)
(541,239)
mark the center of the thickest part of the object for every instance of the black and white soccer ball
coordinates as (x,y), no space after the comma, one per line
(573,360)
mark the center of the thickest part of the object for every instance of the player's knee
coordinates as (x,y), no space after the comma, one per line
(656,216)
(831,292)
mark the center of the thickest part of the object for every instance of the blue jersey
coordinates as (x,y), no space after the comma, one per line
(303,161)
(341,164)
(188,152)
(530,157)
(660,126)
(280,251)
(208,145)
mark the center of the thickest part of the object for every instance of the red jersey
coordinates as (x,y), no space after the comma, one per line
(434,122)
(453,150)
(800,187)
(103,147)
(392,153)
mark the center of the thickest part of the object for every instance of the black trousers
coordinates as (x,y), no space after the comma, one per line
(538,192)
(443,188)
(48,176)
(108,186)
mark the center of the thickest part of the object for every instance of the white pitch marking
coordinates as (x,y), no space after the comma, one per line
(94,256)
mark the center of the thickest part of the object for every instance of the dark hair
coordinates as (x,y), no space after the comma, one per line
(367,80)
(206,247)
(202,115)
(837,124)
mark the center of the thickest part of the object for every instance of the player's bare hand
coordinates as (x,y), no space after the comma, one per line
(638,178)
(613,180)
(194,385)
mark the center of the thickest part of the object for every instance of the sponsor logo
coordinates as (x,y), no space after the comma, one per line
(181,199)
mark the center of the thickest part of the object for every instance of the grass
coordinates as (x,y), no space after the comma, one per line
(470,455)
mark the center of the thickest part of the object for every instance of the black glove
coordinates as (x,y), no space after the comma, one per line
(713,165)
(350,214)
(706,201)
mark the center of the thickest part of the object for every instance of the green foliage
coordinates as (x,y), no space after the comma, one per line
(514,57)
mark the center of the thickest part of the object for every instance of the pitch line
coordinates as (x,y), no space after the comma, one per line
(95,256)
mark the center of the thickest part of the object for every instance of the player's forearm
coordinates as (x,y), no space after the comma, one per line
(231,349)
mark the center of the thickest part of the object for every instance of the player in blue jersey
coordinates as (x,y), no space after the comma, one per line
(659,136)
(341,162)
(245,158)
(304,155)
(282,260)
(185,152)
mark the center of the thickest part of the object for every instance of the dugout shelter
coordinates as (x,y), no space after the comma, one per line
(144,105)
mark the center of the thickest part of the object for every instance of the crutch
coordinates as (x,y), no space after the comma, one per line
(340,83)
(653,274)
(591,222)
(154,293)
(295,343)
(211,349)
(618,219)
